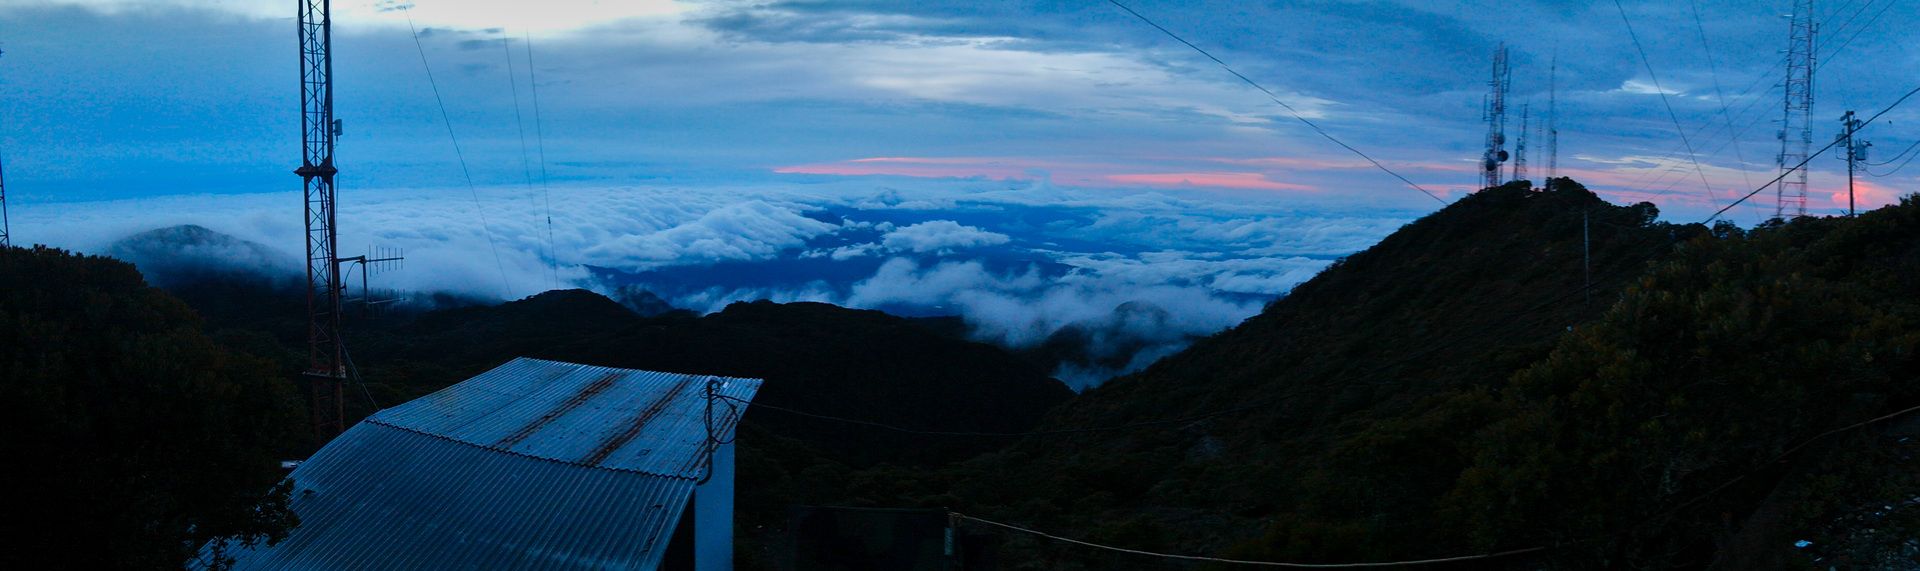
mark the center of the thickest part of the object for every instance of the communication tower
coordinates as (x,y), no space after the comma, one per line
(1520,147)
(326,365)
(1553,120)
(1796,128)
(1495,114)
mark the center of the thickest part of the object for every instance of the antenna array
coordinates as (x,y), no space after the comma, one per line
(1520,147)
(1495,115)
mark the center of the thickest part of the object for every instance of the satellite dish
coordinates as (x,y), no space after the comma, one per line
(1503,156)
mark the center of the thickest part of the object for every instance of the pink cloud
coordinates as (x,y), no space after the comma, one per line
(1867,195)
(1294,163)
(1213,179)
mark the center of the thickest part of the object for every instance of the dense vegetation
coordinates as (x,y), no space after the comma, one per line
(131,437)
(1460,388)
(1451,391)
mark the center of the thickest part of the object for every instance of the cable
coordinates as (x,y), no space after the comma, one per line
(1655,77)
(1910,148)
(357,379)
(1276,99)
(1642,523)
(1823,150)
(1895,169)
(1283,397)
(506,288)
(1781,456)
(1863,27)
(1713,72)
(519,123)
(1258,563)
(540,138)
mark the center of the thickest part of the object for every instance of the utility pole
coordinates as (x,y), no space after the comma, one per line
(1856,152)
(1796,128)
(1520,147)
(1495,114)
(326,369)
(6,235)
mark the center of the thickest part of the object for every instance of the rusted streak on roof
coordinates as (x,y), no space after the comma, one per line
(580,398)
(635,426)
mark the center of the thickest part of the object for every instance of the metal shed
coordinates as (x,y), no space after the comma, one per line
(532,465)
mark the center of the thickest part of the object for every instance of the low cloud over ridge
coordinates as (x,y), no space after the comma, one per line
(1132,274)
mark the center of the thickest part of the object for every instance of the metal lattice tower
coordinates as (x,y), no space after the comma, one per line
(325,363)
(1495,114)
(1553,120)
(1520,147)
(1796,128)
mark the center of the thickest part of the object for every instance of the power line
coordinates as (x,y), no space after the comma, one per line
(1642,523)
(1713,72)
(1256,563)
(1276,99)
(1910,148)
(1281,398)
(506,289)
(540,138)
(1810,156)
(519,123)
(1655,77)
(1863,27)
(1903,164)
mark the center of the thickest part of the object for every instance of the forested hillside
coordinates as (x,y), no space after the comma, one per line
(130,436)
(1537,374)
(1451,391)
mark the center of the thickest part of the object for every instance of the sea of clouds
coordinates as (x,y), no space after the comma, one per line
(1135,274)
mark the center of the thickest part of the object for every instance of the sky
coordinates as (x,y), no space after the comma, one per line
(1029,164)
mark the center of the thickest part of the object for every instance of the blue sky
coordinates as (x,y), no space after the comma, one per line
(118,99)
(1028,164)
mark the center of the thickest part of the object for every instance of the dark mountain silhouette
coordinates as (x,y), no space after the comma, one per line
(178,255)
(1451,391)
(1460,388)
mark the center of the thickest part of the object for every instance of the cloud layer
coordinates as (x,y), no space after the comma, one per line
(1020,261)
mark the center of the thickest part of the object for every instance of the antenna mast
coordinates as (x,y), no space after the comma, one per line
(1495,115)
(318,129)
(1520,147)
(1796,129)
(1553,119)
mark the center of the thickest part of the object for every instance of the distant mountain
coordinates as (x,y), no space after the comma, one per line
(815,357)
(188,253)
(1452,391)
(641,301)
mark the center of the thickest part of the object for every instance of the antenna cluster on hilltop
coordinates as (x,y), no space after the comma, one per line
(1495,114)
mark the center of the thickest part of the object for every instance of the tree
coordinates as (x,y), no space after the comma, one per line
(131,438)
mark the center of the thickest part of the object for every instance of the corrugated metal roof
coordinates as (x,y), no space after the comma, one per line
(533,465)
(621,419)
